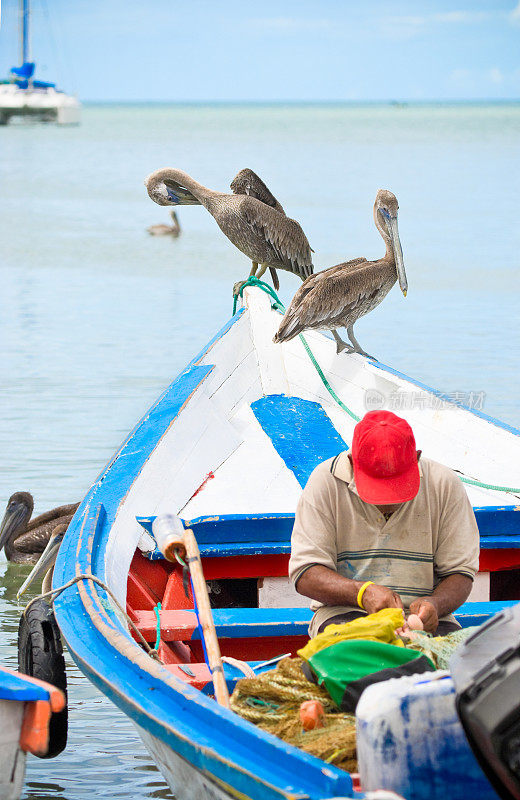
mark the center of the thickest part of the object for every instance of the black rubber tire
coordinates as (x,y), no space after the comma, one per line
(40,654)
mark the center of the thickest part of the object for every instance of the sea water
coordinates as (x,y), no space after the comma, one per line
(97,317)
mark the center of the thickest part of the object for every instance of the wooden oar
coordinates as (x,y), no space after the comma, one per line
(174,539)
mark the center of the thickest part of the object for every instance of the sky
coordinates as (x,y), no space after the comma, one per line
(236,50)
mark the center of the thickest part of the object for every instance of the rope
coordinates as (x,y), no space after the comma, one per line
(157,610)
(53,593)
(243,666)
(279,306)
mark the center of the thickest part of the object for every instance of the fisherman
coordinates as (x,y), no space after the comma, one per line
(380,527)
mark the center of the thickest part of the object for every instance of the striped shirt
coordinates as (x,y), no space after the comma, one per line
(425,540)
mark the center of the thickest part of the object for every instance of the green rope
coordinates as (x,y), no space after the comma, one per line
(157,610)
(279,306)
(327,385)
(490,485)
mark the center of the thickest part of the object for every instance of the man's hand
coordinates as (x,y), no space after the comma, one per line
(376,597)
(426,610)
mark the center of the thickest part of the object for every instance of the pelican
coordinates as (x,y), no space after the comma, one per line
(166,230)
(248,182)
(25,540)
(45,564)
(340,295)
(264,234)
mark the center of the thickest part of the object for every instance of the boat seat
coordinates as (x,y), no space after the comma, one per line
(250,623)
(230,623)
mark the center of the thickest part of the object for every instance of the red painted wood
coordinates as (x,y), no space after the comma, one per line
(174,653)
(154,574)
(138,595)
(246,567)
(501,558)
(200,671)
(174,594)
(257,649)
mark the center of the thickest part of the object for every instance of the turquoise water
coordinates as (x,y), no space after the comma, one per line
(96,317)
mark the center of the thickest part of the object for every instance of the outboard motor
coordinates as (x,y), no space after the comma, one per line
(486,674)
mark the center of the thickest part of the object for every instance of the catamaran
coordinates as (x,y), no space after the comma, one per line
(23,96)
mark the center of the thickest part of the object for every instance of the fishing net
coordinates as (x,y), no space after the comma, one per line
(439,648)
(272,701)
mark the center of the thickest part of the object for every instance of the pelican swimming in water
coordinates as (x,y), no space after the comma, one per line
(340,295)
(248,182)
(264,234)
(173,230)
(25,539)
(46,561)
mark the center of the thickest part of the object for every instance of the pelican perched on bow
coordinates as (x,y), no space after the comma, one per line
(25,539)
(173,230)
(264,234)
(248,182)
(340,295)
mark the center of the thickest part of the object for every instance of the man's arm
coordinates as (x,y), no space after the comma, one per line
(329,587)
(451,593)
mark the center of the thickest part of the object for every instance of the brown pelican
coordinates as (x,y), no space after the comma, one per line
(248,182)
(340,295)
(24,541)
(166,230)
(45,564)
(264,234)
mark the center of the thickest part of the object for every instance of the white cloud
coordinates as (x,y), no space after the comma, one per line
(514,16)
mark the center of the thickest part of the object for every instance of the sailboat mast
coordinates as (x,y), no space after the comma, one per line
(24,19)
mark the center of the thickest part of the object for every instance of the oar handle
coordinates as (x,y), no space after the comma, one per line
(207,624)
(174,539)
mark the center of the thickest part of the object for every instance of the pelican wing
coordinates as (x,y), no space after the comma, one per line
(283,234)
(53,516)
(324,299)
(248,182)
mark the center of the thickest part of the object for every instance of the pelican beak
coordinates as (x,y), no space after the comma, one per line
(44,563)
(391,224)
(13,518)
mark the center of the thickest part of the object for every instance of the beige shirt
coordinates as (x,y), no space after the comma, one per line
(425,540)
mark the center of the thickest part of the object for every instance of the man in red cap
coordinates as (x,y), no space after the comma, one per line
(381,527)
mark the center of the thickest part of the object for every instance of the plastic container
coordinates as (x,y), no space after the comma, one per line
(410,741)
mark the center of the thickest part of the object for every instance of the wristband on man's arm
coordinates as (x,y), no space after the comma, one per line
(362,592)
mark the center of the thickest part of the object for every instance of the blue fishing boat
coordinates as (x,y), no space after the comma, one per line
(227,448)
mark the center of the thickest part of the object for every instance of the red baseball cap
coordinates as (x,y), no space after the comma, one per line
(384,456)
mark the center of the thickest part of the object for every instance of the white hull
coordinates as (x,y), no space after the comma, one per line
(46,105)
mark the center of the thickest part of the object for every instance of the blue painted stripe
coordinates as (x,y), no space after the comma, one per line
(240,623)
(300,431)
(498,520)
(499,542)
(17,687)
(244,528)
